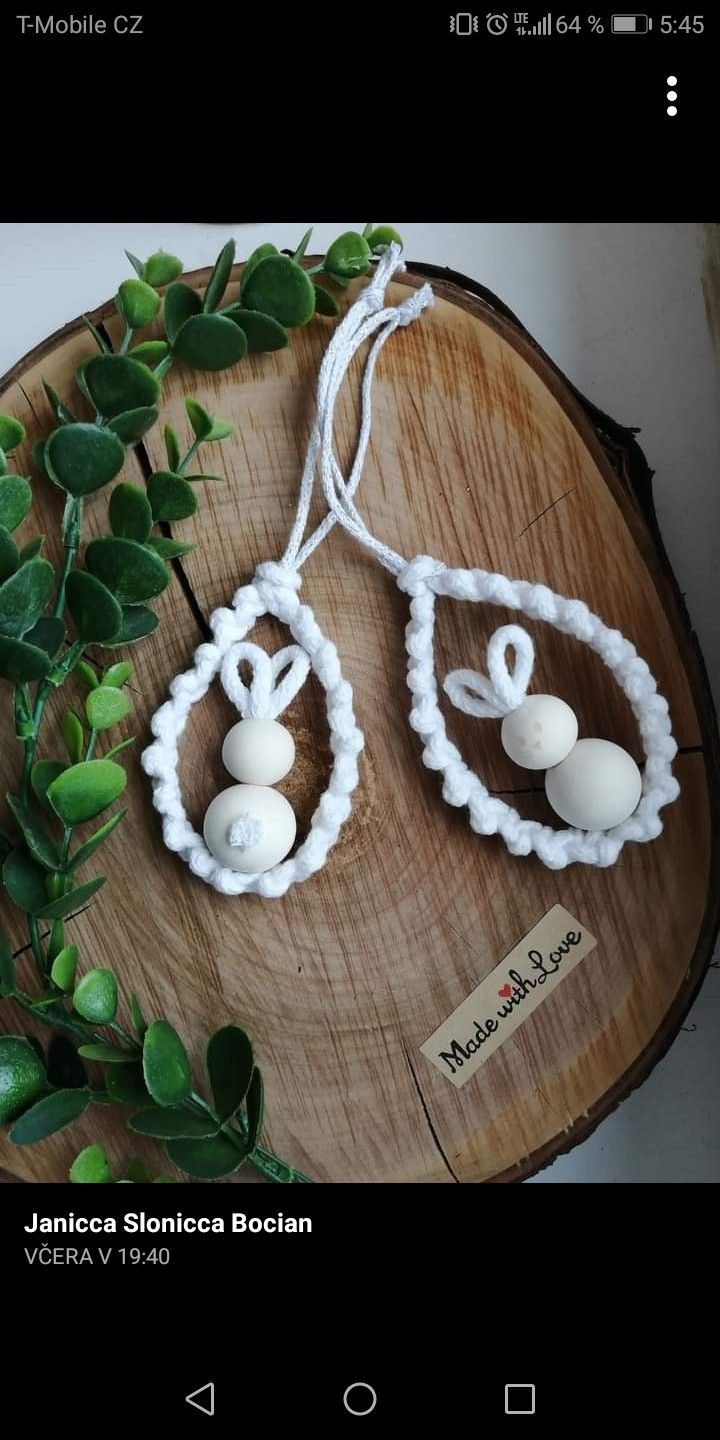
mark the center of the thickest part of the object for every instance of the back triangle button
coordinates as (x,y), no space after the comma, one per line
(207,1402)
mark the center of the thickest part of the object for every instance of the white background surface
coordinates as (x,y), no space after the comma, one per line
(620,309)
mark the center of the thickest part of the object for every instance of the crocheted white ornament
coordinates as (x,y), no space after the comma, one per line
(424,579)
(274,590)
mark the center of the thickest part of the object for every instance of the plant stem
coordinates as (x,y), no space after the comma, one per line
(189,456)
(162,368)
(125,342)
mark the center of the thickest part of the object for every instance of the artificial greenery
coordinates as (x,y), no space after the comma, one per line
(100,600)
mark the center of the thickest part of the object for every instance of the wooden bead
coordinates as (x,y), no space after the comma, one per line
(249,828)
(540,733)
(596,787)
(258,752)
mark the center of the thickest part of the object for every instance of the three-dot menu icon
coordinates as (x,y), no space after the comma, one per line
(671,94)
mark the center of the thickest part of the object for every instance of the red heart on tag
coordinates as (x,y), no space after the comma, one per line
(506,992)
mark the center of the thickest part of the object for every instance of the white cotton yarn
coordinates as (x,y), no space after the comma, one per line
(424,579)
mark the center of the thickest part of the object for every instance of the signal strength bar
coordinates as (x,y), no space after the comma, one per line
(543,27)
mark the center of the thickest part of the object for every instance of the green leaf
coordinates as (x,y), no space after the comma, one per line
(95,997)
(171,498)
(65,1069)
(253,261)
(126,1085)
(105,707)
(91,1167)
(170,1123)
(172,447)
(48,1115)
(117,383)
(205,1159)
(9,557)
(74,900)
(206,426)
(24,596)
(38,839)
(255,1108)
(165,1064)
(229,1065)
(91,845)
(129,570)
(12,433)
(137,1172)
(325,303)
(131,425)
(218,281)
(33,548)
(118,675)
(138,303)
(137,622)
(22,1074)
(64,966)
(81,457)
(382,236)
(261,331)
(20,662)
(180,303)
(73,735)
(99,339)
(60,411)
(24,881)
(38,455)
(130,513)
(348,256)
(170,549)
(89,675)
(3,463)
(96,612)
(151,352)
(107,1055)
(7,966)
(84,790)
(15,500)
(137,265)
(47,634)
(302,247)
(160,268)
(42,775)
(137,1017)
(210,342)
(279,288)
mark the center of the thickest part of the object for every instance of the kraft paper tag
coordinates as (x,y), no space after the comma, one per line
(508,995)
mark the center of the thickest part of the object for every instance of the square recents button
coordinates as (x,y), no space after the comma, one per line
(519,1399)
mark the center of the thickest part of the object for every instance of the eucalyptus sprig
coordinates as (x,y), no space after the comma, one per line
(101,598)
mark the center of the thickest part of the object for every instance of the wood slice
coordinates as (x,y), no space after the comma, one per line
(484,455)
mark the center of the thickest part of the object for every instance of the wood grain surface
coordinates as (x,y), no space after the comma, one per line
(482,454)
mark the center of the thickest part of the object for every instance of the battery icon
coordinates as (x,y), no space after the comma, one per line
(631,24)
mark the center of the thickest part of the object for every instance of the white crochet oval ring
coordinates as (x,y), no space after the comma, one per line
(273,591)
(424,579)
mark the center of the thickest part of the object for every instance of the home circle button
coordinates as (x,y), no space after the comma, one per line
(360,1399)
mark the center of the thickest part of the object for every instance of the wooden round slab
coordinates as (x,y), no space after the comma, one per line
(483,455)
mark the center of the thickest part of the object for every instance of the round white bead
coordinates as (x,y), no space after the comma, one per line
(258,752)
(540,733)
(596,787)
(249,828)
